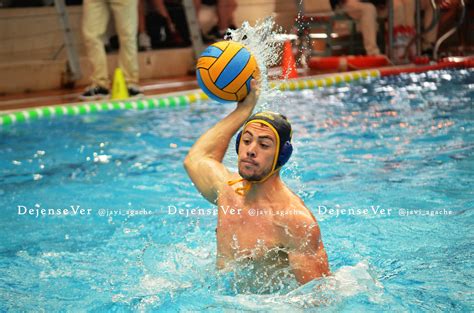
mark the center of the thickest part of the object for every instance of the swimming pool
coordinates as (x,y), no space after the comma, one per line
(404,143)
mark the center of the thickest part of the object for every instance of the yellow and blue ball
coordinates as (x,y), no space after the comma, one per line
(224,71)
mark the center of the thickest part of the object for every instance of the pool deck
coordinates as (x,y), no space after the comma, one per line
(158,87)
(18,101)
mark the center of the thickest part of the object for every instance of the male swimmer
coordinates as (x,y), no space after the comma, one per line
(263,147)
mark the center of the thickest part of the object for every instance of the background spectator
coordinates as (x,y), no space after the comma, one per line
(365,15)
(162,23)
(96,14)
(225,17)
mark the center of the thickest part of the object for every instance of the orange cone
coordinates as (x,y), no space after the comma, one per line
(288,62)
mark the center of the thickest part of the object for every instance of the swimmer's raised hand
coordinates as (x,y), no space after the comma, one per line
(251,100)
(204,160)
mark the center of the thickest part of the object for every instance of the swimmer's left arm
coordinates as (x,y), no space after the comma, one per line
(308,259)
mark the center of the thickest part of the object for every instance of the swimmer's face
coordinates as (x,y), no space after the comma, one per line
(256,151)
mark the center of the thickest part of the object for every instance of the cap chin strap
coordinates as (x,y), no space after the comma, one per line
(241,190)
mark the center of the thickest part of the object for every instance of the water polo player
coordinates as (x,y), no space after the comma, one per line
(257,212)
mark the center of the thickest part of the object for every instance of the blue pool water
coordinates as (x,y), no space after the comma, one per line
(403,143)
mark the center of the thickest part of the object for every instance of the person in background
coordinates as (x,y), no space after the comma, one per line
(448,13)
(179,34)
(429,37)
(403,26)
(160,7)
(365,15)
(225,17)
(404,13)
(96,14)
(144,41)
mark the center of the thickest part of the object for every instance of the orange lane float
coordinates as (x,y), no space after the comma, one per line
(345,63)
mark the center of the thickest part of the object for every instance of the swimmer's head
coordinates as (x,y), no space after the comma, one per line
(263,146)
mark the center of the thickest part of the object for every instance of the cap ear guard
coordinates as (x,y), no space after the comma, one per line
(237,142)
(283,156)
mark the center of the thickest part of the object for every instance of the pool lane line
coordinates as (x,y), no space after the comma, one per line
(197,95)
(95,107)
(323,81)
(185,99)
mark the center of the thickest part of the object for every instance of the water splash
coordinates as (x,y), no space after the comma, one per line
(264,41)
(324,293)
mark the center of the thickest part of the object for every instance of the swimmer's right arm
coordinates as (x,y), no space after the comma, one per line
(204,161)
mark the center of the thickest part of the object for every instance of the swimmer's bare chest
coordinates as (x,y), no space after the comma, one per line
(242,234)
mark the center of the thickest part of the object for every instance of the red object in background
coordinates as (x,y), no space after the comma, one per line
(451,62)
(345,63)
(421,60)
(288,62)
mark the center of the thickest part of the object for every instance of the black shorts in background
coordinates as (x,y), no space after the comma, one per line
(209,2)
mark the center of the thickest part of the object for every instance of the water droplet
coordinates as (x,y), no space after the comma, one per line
(102,158)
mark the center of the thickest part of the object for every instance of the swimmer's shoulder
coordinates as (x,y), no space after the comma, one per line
(299,226)
(303,214)
(296,217)
(301,223)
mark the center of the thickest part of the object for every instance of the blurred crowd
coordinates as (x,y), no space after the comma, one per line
(161,23)
(367,14)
